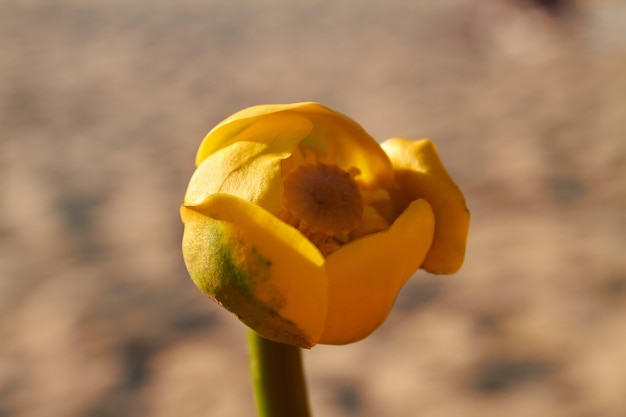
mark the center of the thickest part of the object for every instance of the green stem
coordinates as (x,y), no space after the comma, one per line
(277,377)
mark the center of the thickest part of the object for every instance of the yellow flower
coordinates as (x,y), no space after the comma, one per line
(302,225)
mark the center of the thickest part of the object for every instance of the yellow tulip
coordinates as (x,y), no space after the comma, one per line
(301,224)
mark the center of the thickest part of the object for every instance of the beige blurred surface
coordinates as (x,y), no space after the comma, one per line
(102,106)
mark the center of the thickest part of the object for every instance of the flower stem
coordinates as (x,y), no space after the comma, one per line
(277,377)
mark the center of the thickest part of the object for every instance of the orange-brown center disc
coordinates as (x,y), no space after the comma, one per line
(324,198)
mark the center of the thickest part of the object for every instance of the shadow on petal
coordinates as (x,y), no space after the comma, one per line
(420,174)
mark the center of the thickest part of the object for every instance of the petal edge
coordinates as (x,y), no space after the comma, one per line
(420,174)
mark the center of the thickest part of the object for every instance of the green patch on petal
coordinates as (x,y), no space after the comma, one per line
(257,267)
(238,277)
(312,143)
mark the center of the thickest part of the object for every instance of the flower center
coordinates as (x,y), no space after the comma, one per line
(322,201)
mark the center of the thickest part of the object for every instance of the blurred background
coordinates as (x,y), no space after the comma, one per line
(102,107)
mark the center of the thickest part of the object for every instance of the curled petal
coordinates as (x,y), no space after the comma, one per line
(257,267)
(250,167)
(420,174)
(245,170)
(332,136)
(259,124)
(341,141)
(365,275)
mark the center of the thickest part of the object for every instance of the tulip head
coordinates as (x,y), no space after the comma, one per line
(302,225)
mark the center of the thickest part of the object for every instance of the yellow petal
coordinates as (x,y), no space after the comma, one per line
(250,167)
(257,267)
(420,174)
(341,141)
(371,222)
(245,170)
(278,124)
(365,275)
(334,137)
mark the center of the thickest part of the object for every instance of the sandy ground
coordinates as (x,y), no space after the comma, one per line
(102,106)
